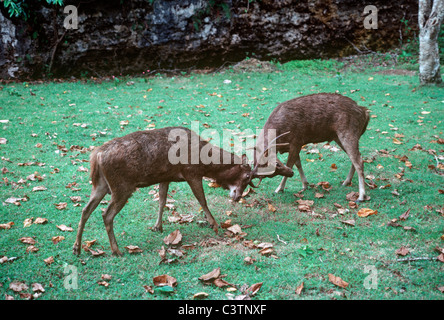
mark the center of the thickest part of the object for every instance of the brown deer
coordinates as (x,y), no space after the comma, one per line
(312,119)
(144,158)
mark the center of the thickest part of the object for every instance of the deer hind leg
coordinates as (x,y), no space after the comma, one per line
(163,193)
(349,178)
(118,201)
(98,192)
(351,147)
(198,191)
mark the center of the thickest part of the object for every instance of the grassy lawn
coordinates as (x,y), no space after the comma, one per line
(52,126)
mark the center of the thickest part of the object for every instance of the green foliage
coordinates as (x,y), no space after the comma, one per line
(20,8)
(311,65)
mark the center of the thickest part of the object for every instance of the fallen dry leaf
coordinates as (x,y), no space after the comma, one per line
(37,287)
(402,251)
(236,229)
(65,228)
(271,208)
(39,188)
(405,215)
(57,239)
(18,286)
(148,289)
(365,212)
(173,238)
(41,221)
(6,226)
(61,205)
(254,288)
(337,281)
(32,248)
(349,222)
(164,280)
(27,240)
(299,289)
(27,222)
(49,260)
(200,295)
(214,274)
(133,249)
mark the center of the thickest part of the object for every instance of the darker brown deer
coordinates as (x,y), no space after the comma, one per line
(312,119)
(159,156)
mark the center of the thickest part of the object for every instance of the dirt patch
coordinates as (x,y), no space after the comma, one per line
(254,65)
(397,72)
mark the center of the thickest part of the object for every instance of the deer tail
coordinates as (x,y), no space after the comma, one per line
(94,161)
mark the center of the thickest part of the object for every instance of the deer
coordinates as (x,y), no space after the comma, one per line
(144,158)
(312,119)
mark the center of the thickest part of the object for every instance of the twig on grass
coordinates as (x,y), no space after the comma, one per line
(281,239)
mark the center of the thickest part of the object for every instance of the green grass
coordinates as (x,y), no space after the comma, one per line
(315,244)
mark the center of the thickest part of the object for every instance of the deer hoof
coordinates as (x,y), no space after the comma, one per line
(157,229)
(117,253)
(278,190)
(76,250)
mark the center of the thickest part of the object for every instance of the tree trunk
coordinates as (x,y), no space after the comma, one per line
(430,18)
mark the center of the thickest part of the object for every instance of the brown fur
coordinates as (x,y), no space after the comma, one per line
(317,118)
(140,159)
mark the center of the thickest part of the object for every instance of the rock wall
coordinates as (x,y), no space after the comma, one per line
(129,37)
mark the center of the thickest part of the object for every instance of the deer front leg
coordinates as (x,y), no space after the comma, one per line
(163,193)
(198,191)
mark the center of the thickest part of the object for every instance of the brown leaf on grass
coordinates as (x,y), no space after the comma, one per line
(254,288)
(39,188)
(337,281)
(148,289)
(103,283)
(365,212)
(299,288)
(200,295)
(441,257)
(61,205)
(133,249)
(27,222)
(402,251)
(65,228)
(95,253)
(32,248)
(37,287)
(221,283)
(441,289)
(235,229)
(249,260)
(350,222)
(319,195)
(27,240)
(57,239)
(41,221)
(405,215)
(271,208)
(208,277)
(49,260)
(325,185)
(6,226)
(18,286)
(173,238)
(106,277)
(266,251)
(165,280)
